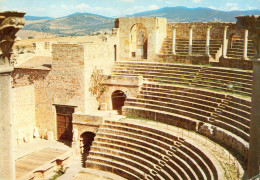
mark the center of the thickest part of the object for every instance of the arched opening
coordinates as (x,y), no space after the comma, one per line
(118,100)
(86,140)
(139,41)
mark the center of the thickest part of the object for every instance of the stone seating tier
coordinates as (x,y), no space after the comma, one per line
(172,108)
(198,47)
(155,98)
(236,50)
(233,81)
(143,151)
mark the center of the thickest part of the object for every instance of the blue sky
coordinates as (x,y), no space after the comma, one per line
(113,8)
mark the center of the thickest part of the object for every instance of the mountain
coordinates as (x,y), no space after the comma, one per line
(74,24)
(85,23)
(35,18)
(184,14)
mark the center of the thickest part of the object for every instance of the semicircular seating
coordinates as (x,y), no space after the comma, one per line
(171,95)
(139,152)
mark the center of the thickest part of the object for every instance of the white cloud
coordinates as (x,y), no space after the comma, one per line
(196,1)
(250,7)
(152,7)
(212,7)
(231,6)
(137,9)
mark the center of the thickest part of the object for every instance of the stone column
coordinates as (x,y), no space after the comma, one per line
(245,44)
(252,24)
(224,48)
(174,40)
(207,41)
(190,41)
(10,23)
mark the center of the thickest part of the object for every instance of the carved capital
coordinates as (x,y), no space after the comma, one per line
(252,23)
(10,23)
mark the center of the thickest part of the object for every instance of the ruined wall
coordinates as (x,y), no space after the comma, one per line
(200,30)
(29,97)
(99,56)
(162,33)
(64,85)
(66,79)
(43,48)
(23,103)
(152,24)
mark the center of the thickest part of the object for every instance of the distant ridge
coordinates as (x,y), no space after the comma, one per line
(200,14)
(73,25)
(85,23)
(36,18)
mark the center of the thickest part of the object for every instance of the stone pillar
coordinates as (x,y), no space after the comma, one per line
(252,24)
(224,48)
(190,41)
(245,44)
(174,40)
(10,23)
(207,41)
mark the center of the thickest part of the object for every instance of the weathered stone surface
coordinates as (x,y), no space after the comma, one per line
(252,23)
(10,24)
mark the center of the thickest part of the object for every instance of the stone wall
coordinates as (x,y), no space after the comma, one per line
(200,30)
(67,82)
(86,123)
(153,25)
(23,103)
(202,60)
(236,63)
(23,81)
(100,56)
(128,84)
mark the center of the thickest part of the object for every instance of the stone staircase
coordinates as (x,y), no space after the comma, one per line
(237,49)
(198,47)
(134,151)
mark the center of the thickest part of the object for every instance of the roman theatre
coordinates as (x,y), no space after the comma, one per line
(151,100)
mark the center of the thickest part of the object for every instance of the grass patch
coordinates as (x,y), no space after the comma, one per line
(58,173)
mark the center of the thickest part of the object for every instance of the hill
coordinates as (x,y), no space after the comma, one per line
(184,14)
(75,24)
(79,24)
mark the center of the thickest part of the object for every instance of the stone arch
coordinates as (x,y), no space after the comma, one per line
(86,140)
(118,99)
(139,41)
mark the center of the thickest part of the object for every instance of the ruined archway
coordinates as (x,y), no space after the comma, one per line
(118,99)
(138,41)
(86,140)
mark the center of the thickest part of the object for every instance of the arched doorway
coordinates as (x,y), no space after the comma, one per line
(139,42)
(118,99)
(86,140)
